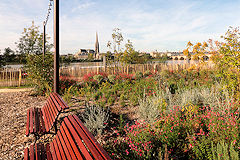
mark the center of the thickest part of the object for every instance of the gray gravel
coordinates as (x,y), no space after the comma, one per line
(13,111)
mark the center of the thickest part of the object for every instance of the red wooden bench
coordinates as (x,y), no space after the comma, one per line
(41,120)
(72,141)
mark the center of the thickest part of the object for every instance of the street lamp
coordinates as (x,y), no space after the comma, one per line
(56,45)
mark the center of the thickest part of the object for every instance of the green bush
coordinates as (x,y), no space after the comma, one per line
(138,75)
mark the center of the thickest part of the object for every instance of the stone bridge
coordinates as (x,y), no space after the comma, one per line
(183,57)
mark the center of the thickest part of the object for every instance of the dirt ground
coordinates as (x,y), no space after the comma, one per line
(13,109)
(14,104)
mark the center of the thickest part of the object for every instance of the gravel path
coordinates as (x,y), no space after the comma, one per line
(13,110)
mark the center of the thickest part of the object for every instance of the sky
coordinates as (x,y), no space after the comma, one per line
(162,25)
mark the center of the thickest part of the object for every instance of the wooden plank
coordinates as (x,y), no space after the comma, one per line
(77,138)
(37,151)
(27,124)
(32,152)
(60,100)
(31,120)
(41,122)
(59,156)
(53,151)
(49,116)
(45,119)
(65,148)
(90,137)
(26,154)
(69,141)
(58,105)
(52,112)
(60,146)
(53,108)
(35,120)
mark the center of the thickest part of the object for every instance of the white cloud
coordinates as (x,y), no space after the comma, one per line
(83,5)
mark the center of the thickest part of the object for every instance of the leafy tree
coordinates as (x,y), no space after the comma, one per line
(2,61)
(30,47)
(117,38)
(31,42)
(40,72)
(186,51)
(227,60)
(198,50)
(130,56)
(109,57)
(9,55)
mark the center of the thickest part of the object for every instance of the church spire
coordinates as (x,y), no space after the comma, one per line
(96,47)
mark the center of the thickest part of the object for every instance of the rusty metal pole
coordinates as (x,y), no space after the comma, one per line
(44,39)
(56,45)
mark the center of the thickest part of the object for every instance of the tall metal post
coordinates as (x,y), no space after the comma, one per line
(44,39)
(56,45)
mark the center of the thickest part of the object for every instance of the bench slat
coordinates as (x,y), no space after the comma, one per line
(60,101)
(31,120)
(27,125)
(53,151)
(90,137)
(78,139)
(61,150)
(85,137)
(48,116)
(46,120)
(57,149)
(37,151)
(41,122)
(58,105)
(26,154)
(32,152)
(53,107)
(48,152)
(72,144)
(65,148)
(35,114)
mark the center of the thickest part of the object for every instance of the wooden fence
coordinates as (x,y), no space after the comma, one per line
(12,77)
(17,77)
(79,72)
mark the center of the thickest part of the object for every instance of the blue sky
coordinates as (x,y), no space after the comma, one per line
(150,24)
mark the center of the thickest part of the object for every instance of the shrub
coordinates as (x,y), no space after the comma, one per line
(40,73)
(112,78)
(95,119)
(224,151)
(98,78)
(138,75)
(149,108)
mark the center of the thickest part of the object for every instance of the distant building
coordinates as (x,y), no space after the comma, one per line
(83,53)
(97,53)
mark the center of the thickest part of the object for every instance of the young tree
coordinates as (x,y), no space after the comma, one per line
(117,38)
(30,47)
(198,50)
(31,42)
(227,60)
(131,56)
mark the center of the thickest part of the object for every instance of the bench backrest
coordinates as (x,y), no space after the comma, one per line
(74,141)
(51,110)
